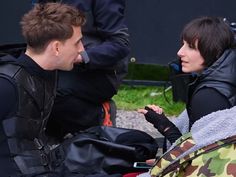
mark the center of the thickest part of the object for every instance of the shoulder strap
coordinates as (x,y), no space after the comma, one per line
(9,65)
(12,49)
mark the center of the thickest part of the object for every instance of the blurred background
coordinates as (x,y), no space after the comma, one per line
(154,27)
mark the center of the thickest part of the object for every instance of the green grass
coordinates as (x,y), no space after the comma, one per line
(134,97)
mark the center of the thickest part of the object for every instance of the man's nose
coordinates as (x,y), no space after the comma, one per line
(81,47)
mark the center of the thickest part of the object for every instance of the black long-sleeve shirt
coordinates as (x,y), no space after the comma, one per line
(204,102)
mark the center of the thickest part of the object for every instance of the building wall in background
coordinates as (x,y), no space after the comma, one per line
(154,25)
(11,12)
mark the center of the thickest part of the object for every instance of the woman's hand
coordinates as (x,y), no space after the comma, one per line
(154,114)
(153,107)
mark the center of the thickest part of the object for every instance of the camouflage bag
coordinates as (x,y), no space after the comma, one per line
(217,159)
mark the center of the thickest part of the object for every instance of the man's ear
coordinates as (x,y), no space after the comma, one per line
(55,47)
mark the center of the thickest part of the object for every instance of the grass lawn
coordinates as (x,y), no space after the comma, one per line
(134,97)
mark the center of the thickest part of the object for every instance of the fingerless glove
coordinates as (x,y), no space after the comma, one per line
(163,125)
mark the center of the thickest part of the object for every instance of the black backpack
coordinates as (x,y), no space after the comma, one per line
(106,150)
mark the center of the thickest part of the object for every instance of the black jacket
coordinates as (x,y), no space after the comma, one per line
(221,79)
(106,42)
(212,90)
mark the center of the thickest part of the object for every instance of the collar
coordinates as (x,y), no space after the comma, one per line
(32,67)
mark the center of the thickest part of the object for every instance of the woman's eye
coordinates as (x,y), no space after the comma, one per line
(191,46)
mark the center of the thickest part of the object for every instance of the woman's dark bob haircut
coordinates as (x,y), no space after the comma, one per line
(211,34)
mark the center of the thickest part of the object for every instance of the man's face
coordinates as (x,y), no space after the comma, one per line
(70,50)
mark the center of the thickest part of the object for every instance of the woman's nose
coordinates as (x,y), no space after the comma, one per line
(180,52)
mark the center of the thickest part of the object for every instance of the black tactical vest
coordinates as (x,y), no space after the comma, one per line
(24,129)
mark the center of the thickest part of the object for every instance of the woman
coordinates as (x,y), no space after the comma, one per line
(208,52)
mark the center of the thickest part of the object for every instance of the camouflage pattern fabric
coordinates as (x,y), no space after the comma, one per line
(217,159)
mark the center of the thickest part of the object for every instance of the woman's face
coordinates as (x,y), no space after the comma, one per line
(191,59)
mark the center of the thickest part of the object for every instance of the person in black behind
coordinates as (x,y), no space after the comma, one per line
(208,51)
(84,94)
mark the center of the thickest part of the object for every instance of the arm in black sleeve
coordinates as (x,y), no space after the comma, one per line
(109,17)
(206,101)
(8,97)
(163,125)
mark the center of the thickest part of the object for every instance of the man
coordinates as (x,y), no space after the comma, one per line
(53,36)
(84,94)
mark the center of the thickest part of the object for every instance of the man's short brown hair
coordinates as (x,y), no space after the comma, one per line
(49,21)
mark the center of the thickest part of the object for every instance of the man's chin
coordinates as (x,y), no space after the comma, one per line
(68,68)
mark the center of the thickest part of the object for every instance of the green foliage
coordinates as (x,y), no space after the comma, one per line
(134,97)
